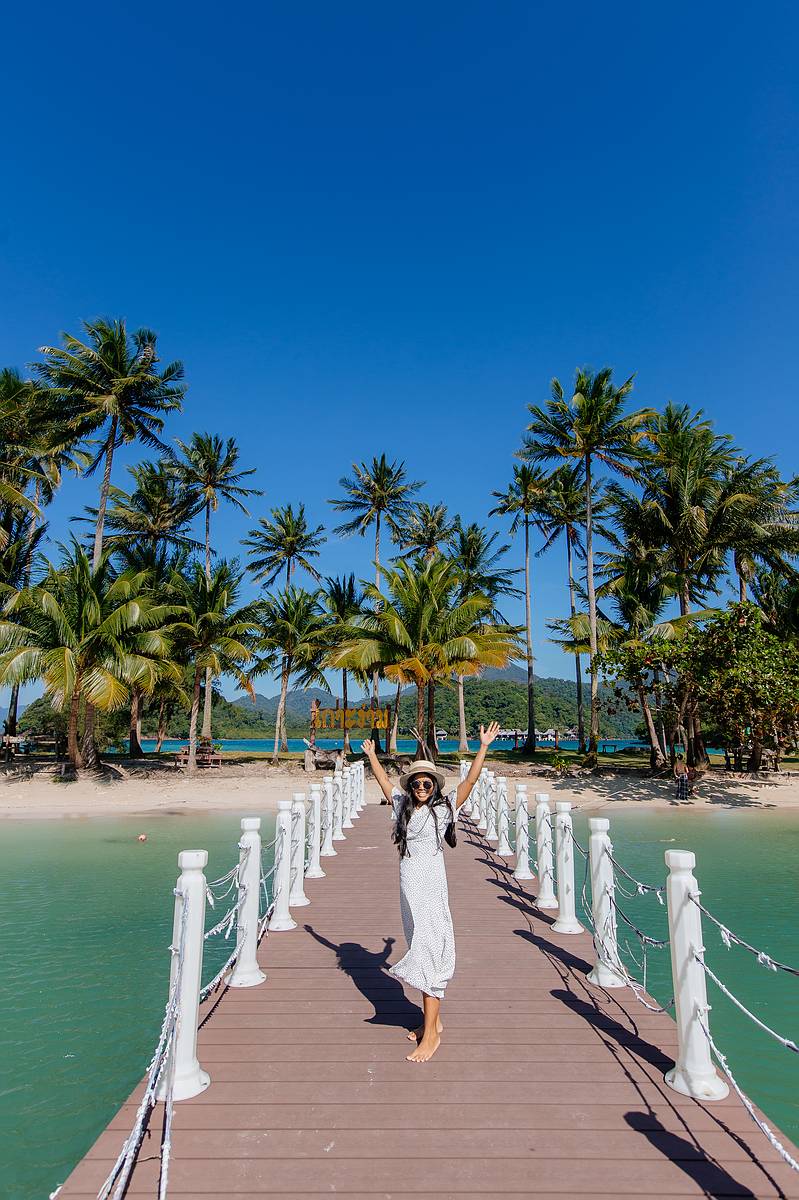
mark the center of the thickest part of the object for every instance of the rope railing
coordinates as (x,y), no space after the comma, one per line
(788,1043)
(729,938)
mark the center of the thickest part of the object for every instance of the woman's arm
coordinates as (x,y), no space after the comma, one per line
(486,738)
(386,788)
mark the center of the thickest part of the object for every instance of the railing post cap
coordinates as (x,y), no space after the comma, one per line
(284,805)
(502,778)
(680,860)
(542,797)
(328,778)
(298,797)
(192,860)
(563,806)
(248,824)
(316,787)
(598,824)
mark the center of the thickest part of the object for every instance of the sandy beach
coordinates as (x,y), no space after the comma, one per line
(257,787)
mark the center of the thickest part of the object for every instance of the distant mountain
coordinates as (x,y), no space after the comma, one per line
(298,703)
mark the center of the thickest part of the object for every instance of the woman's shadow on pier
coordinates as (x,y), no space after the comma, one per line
(368,971)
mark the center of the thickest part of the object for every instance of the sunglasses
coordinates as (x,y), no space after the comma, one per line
(422,785)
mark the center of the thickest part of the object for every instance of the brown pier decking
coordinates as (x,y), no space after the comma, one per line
(543,1086)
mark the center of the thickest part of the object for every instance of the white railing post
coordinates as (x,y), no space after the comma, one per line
(605,972)
(346,791)
(491,817)
(546,897)
(566,921)
(297,897)
(189,1079)
(693,1073)
(338,808)
(359,788)
(522,835)
(466,807)
(327,850)
(246,972)
(504,848)
(315,834)
(482,800)
(281,918)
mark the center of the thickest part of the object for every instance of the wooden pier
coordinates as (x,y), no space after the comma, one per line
(543,1086)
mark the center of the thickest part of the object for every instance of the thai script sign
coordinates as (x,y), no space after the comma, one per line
(364,717)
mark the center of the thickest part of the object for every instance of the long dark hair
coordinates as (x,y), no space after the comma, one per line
(405,812)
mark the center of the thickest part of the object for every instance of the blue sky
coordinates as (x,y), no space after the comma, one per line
(371,228)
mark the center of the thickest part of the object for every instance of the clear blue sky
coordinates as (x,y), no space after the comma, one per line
(367,227)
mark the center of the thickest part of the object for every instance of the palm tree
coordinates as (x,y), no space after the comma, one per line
(343,601)
(524,501)
(209,471)
(477,562)
(153,516)
(282,544)
(419,631)
(764,522)
(564,515)
(212,630)
(292,629)
(427,529)
(591,427)
(376,492)
(90,634)
(108,385)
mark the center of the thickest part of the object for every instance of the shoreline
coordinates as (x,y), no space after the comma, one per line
(257,790)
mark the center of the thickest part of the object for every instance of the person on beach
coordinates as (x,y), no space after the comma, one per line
(424,819)
(681,777)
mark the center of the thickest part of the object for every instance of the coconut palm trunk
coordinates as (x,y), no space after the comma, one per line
(432,741)
(578,670)
(656,759)
(463,741)
(13,702)
(376,673)
(160,736)
(209,680)
(281,707)
(104,490)
(395,720)
(73,743)
(191,766)
(134,735)
(530,742)
(344,698)
(593,734)
(419,717)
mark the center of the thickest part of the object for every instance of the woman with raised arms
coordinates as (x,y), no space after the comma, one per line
(424,820)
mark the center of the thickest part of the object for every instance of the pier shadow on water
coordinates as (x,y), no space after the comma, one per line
(368,970)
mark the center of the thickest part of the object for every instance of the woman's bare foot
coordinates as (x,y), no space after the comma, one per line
(416,1034)
(425,1050)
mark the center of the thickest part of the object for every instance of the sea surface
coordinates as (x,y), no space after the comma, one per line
(86,915)
(404,745)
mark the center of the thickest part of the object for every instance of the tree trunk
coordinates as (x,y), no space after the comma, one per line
(161,732)
(13,705)
(104,489)
(463,740)
(208,699)
(419,718)
(529,743)
(73,744)
(593,734)
(91,755)
(281,707)
(432,741)
(656,759)
(395,721)
(134,738)
(755,755)
(578,670)
(344,697)
(195,711)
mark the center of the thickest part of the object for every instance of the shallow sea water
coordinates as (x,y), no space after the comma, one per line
(86,916)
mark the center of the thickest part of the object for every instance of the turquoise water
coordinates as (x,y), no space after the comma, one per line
(87,910)
(404,745)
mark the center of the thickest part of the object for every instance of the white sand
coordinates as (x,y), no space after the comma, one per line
(258,787)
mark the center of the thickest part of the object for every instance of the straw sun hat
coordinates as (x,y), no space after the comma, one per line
(421,767)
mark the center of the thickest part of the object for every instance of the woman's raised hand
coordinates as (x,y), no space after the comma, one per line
(368,747)
(487,735)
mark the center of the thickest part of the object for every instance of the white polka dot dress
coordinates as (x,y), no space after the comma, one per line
(424,901)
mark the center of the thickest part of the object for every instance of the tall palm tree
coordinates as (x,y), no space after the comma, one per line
(90,634)
(477,561)
(564,515)
(343,601)
(591,427)
(209,471)
(764,522)
(428,529)
(376,492)
(212,630)
(283,543)
(292,630)
(419,630)
(108,386)
(524,501)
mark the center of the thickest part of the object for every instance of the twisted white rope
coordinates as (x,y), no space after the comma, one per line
(788,1043)
(728,937)
(641,889)
(747,1103)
